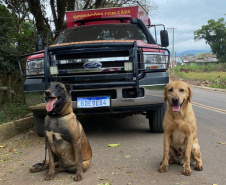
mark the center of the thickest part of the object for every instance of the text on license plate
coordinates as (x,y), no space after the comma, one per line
(92,102)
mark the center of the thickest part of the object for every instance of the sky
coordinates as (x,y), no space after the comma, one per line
(187,16)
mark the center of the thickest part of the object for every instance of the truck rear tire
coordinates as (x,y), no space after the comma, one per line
(156,119)
(39,124)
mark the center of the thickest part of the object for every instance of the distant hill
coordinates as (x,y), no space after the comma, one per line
(195,52)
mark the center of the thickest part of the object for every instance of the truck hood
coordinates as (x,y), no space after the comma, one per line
(152,47)
(139,43)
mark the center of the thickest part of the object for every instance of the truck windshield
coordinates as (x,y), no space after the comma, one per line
(102,32)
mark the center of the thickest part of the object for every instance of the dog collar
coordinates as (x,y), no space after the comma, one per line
(58,115)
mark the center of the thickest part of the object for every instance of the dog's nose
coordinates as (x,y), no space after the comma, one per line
(175,101)
(47,92)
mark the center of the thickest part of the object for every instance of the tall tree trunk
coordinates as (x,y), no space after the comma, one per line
(41,24)
(86,5)
(71,5)
(52,4)
(59,12)
(61,6)
(35,8)
(98,4)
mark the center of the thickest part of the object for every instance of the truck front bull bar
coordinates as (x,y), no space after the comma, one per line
(135,58)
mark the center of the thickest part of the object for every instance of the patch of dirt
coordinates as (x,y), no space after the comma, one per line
(16,154)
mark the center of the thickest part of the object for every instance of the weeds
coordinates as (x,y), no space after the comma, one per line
(214,74)
(203,68)
(14,111)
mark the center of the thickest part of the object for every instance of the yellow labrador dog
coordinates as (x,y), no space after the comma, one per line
(180,129)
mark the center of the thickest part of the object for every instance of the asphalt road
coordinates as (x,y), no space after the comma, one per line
(137,159)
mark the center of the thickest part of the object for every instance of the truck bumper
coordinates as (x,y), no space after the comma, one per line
(123,99)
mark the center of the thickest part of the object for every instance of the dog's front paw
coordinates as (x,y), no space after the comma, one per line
(187,171)
(49,175)
(198,167)
(163,168)
(78,177)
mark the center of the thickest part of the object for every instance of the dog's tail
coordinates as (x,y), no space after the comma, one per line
(86,164)
(39,167)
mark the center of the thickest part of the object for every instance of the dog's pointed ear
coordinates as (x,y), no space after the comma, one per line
(165,93)
(190,94)
(68,88)
(48,85)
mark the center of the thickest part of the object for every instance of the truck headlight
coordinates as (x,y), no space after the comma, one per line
(154,60)
(35,67)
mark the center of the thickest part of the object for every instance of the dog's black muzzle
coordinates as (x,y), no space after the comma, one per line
(175,101)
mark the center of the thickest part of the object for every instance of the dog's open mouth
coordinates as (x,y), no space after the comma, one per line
(176,108)
(50,103)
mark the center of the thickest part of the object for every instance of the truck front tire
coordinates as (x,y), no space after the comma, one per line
(39,124)
(156,118)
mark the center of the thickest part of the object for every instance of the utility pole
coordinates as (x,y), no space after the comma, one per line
(175,58)
(172,63)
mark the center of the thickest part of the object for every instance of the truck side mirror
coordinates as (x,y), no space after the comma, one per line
(39,44)
(164,38)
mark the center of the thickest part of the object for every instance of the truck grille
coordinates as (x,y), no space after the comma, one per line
(76,63)
(80,65)
(92,55)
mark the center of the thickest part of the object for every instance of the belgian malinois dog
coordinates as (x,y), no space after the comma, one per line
(68,147)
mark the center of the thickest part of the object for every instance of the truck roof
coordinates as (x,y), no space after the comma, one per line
(127,12)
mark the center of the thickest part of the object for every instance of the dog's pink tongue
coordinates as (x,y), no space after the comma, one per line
(49,104)
(176,108)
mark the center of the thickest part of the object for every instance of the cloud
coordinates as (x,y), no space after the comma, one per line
(186,17)
(191,45)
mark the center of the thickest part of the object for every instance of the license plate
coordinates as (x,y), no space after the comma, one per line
(92,102)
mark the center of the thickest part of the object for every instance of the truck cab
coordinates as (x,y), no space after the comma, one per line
(111,61)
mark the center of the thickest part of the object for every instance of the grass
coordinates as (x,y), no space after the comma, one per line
(214,74)
(12,112)
(210,76)
(203,68)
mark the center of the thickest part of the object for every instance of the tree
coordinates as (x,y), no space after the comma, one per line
(200,55)
(19,8)
(206,53)
(14,42)
(215,35)
(25,42)
(38,12)
(58,7)
(8,54)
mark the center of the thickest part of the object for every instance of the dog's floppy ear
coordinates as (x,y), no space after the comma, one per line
(190,94)
(165,93)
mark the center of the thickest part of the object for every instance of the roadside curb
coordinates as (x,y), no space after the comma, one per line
(209,88)
(10,129)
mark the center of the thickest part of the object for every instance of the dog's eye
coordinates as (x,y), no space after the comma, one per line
(171,90)
(181,90)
